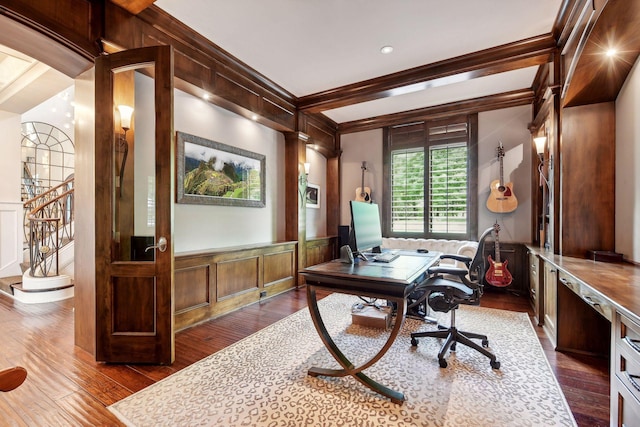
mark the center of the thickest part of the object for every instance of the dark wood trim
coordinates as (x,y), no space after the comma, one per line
(511,56)
(184,36)
(133,6)
(333,191)
(67,44)
(486,103)
(203,67)
(322,133)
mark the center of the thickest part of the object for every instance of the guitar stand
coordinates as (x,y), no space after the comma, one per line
(508,289)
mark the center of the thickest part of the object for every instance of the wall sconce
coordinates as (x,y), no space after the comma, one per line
(540,143)
(303,180)
(123,146)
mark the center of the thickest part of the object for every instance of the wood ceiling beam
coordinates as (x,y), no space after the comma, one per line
(486,103)
(521,54)
(133,6)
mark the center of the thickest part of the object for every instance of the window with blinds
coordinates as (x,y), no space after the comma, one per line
(407,190)
(430,179)
(448,188)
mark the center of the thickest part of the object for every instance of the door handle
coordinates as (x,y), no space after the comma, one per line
(161,246)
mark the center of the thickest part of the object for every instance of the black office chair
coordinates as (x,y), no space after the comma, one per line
(446,294)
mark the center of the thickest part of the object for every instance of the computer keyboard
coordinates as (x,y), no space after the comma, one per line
(386,257)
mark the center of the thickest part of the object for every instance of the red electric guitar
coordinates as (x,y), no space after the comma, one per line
(498,275)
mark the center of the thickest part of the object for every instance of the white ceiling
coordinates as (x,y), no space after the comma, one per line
(25,83)
(308,46)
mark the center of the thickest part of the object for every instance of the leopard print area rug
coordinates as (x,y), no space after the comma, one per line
(262,380)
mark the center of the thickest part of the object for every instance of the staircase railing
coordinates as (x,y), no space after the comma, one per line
(50,227)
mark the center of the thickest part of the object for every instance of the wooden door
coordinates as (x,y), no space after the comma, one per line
(134,207)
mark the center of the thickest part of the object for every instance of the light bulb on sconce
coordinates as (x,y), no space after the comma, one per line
(125,117)
(540,142)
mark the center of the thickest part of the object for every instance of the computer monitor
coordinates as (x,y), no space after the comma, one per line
(366,229)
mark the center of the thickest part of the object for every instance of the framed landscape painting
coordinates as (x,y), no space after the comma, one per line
(210,172)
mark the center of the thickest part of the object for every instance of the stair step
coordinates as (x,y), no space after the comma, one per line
(7,283)
(19,287)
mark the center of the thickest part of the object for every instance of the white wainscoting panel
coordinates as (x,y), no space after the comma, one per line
(10,239)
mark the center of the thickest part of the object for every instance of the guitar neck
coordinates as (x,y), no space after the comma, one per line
(497,244)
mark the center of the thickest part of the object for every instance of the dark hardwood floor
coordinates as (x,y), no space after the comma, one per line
(66,387)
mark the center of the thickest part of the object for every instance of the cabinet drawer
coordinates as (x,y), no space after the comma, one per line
(627,354)
(598,303)
(625,409)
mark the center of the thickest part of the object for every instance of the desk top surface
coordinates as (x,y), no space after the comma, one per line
(406,269)
(617,282)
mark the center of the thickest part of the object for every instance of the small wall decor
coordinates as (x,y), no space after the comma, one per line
(210,172)
(313,196)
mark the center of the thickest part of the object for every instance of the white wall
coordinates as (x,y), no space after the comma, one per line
(627,207)
(317,218)
(357,148)
(208,226)
(10,164)
(11,216)
(507,125)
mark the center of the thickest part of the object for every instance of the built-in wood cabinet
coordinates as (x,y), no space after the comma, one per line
(625,378)
(535,288)
(550,293)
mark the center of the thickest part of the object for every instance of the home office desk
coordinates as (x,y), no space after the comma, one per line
(596,310)
(393,281)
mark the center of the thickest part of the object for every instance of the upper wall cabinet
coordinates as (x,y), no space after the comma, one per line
(590,75)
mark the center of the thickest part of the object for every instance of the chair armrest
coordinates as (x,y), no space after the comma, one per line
(455,271)
(461,258)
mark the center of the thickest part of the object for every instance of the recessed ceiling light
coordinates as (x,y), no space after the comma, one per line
(386,49)
(254,117)
(611,52)
(205,96)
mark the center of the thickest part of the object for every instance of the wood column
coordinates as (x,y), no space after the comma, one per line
(295,187)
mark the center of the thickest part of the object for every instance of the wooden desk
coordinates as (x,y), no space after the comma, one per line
(598,312)
(392,281)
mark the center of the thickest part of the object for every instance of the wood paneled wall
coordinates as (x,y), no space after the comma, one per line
(321,249)
(211,283)
(587,179)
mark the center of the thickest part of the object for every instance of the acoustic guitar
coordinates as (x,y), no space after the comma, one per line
(497,274)
(502,198)
(363,194)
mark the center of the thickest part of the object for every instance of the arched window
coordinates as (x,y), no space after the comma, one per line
(47,158)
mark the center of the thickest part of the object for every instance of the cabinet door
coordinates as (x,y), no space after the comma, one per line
(535,294)
(550,301)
